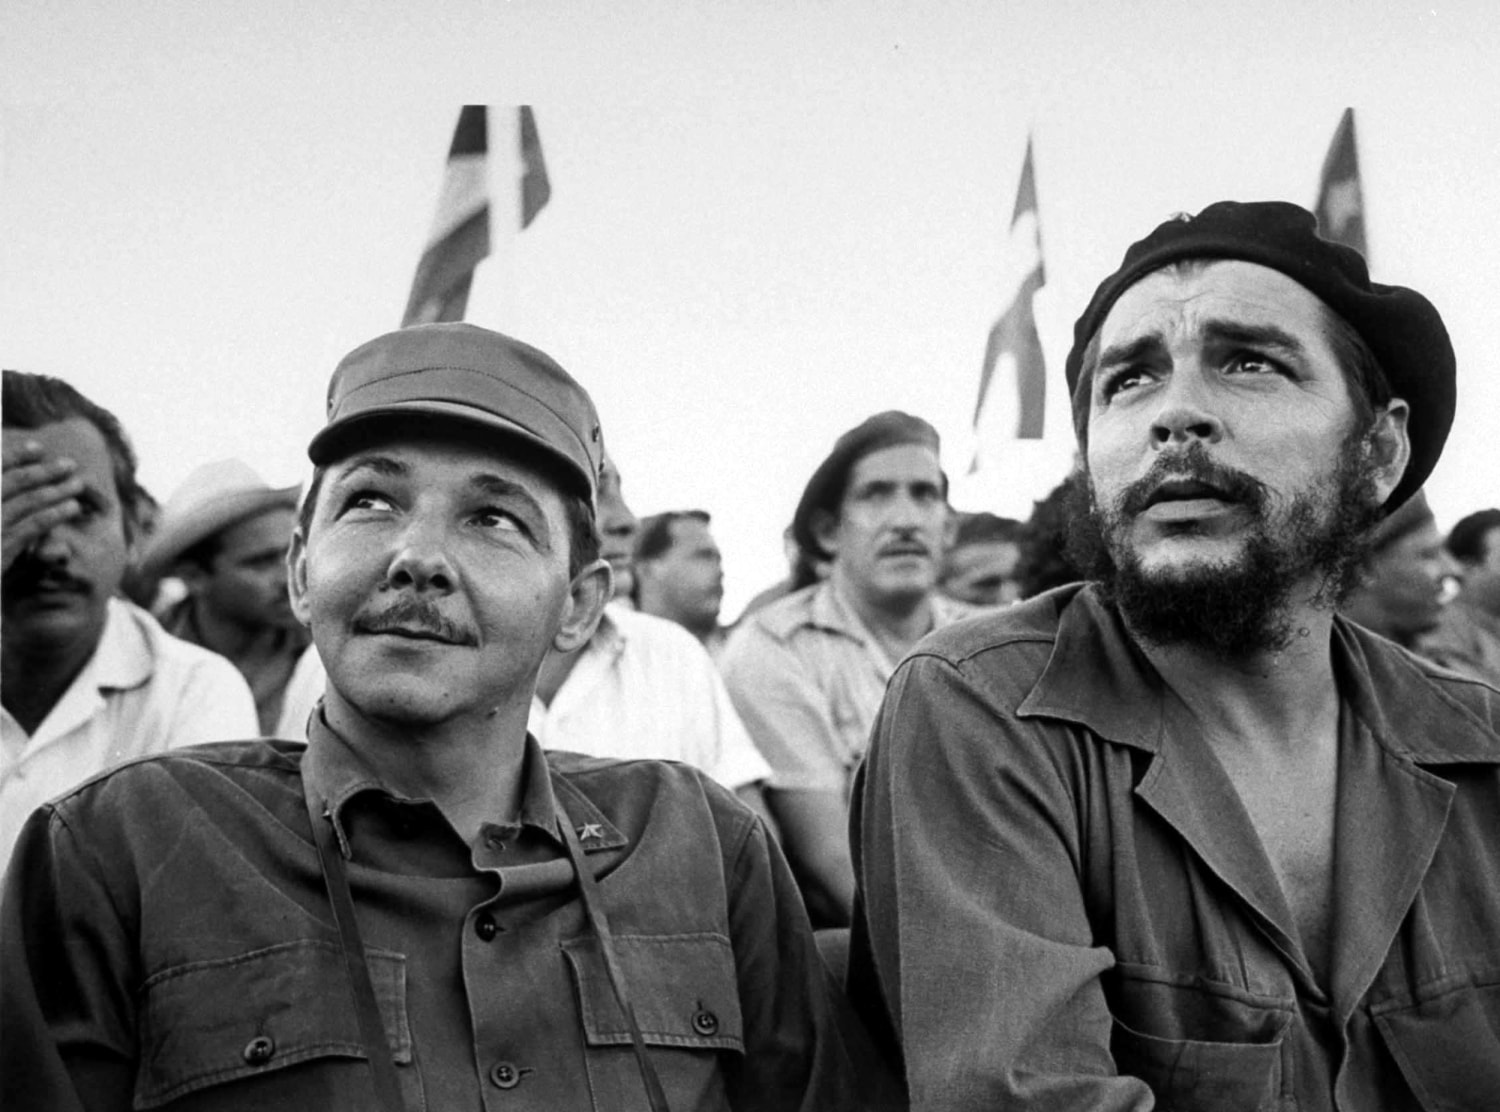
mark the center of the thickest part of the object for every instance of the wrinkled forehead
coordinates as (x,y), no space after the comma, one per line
(902,463)
(1185,300)
(74,438)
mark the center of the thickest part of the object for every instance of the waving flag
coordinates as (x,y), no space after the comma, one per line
(1013,383)
(1341,200)
(460,236)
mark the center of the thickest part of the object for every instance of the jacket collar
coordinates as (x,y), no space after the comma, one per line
(1401,721)
(333,773)
(124,659)
(1098,678)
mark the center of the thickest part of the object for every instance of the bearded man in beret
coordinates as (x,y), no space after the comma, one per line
(1182,837)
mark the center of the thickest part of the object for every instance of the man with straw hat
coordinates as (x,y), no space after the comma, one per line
(224,533)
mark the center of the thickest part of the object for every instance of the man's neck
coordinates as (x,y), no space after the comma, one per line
(471,767)
(238,642)
(896,623)
(34,678)
(1270,698)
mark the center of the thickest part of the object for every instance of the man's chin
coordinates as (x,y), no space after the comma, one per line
(1189,565)
(400,706)
(55,619)
(1231,608)
(905,589)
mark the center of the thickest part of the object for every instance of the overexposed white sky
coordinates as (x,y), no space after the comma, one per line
(768,221)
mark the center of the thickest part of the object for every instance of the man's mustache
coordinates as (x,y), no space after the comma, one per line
(1196,466)
(29,575)
(415,617)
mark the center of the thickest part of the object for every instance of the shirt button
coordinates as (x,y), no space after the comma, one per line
(505,1076)
(258,1050)
(486,928)
(705,1022)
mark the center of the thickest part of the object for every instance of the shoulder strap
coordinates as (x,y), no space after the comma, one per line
(371,1026)
(593,907)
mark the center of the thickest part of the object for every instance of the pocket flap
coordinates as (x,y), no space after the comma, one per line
(1447,1042)
(683,989)
(207,1022)
(1187,1073)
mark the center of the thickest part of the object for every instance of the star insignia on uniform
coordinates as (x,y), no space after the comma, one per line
(590,831)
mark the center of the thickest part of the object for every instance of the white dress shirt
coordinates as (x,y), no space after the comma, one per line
(143,691)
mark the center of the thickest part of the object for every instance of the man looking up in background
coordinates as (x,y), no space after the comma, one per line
(807,672)
(679,574)
(224,533)
(89,679)
(1183,837)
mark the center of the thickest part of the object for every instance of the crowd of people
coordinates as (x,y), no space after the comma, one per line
(443,782)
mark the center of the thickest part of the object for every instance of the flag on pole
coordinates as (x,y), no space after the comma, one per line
(460,235)
(1341,200)
(1013,382)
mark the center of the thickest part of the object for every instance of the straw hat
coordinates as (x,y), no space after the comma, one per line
(211,499)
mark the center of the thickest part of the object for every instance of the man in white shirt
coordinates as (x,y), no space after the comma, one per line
(645,687)
(88,680)
(679,574)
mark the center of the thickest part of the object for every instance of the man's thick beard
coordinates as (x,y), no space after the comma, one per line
(1240,607)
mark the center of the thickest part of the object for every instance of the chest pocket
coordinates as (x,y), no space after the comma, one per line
(686,999)
(1198,1045)
(248,1018)
(1447,1041)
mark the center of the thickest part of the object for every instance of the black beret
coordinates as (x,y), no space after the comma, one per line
(825,490)
(1401,327)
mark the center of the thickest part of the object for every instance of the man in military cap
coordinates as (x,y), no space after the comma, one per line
(807,672)
(1182,837)
(419,908)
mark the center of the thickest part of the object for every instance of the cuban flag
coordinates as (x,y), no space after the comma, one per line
(460,236)
(1013,381)
(1341,200)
